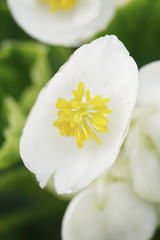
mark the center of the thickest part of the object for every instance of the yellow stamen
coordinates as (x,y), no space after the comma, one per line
(76,115)
(60,4)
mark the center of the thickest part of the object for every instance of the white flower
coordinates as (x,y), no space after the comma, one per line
(104,67)
(116,213)
(62,22)
(143,141)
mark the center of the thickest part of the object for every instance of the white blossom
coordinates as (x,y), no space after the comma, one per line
(90,138)
(143,141)
(59,22)
(115,213)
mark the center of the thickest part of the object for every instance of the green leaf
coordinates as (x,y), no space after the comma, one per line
(18,64)
(24,70)
(9,152)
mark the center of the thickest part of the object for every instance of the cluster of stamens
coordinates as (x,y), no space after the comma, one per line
(76,116)
(60,4)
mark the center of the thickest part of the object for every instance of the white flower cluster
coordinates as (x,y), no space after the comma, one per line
(75,130)
(124,202)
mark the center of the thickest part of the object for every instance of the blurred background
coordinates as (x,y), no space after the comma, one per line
(26,211)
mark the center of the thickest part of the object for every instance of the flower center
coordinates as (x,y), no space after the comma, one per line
(79,119)
(60,4)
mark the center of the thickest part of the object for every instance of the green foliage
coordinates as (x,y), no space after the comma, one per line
(26,209)
(137,25)
(24,69)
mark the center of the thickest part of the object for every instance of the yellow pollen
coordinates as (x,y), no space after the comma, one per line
(60,4)
(79,119)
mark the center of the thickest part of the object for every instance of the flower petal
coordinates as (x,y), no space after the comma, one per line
(121,169)
(149,77)
(106,69)
(143,141)
(120,216)
(67,28)
(145,165)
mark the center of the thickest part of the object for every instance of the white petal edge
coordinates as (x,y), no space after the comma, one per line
(123,216)
(69,28)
